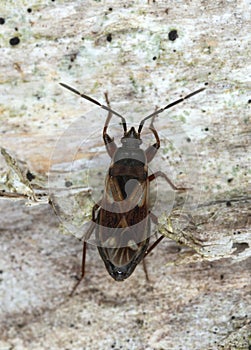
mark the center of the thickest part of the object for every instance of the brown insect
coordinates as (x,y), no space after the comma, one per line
(122,218)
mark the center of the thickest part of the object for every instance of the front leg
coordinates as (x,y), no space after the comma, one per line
(152,150)
(111,146)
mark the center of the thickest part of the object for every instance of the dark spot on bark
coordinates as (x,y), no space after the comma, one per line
(109,37)
(173,35)
(30,176)
(14,41)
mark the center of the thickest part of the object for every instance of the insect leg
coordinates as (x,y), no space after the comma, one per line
(152,150)
(154,245)
(158,240)
(109,141)
(145,270)
(88,234)
(161,174)
(147,252)
(83,271)
(86,237)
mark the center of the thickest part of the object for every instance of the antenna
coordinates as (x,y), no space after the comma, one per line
(166,107)
(97,103)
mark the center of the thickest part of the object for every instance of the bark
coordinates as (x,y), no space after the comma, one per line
(145,55)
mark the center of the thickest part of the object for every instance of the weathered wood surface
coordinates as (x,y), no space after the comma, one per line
(199,295)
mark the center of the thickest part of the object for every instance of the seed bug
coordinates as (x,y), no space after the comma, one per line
(122,218)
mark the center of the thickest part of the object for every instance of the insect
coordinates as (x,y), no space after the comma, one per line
(122,218)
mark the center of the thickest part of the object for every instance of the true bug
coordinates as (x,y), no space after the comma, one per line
(121,219)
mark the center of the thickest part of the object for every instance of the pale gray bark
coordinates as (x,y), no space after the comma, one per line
(199,294)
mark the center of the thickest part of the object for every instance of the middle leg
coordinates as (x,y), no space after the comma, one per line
(161,174)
